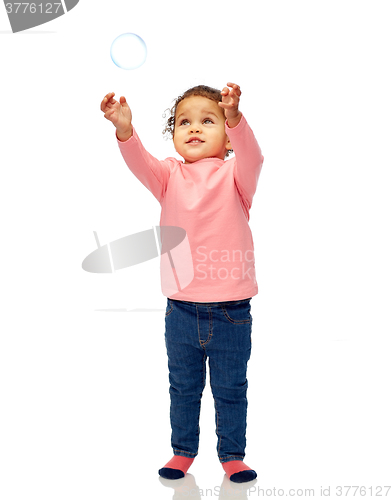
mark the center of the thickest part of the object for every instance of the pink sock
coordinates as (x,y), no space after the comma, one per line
(238,471)
(176,467)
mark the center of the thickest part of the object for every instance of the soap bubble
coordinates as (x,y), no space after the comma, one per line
(128,51)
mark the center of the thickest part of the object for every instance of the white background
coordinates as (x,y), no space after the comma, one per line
(84,393)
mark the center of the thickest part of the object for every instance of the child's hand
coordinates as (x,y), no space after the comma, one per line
(119,113)
(230,102)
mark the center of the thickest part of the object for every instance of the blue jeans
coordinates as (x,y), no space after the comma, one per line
(220,331)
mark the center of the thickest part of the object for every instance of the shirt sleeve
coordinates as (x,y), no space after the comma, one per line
(152,173)
(248,160)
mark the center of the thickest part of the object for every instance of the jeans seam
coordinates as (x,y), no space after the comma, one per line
(234,321)
(203,385)
(215,304)
(217,429)
(185,452)
(171,309)
(205,342)
(241,457)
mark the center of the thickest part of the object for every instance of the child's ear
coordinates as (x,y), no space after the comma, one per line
(228,144)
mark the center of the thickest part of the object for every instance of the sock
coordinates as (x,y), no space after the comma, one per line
(238,471)
(176,467)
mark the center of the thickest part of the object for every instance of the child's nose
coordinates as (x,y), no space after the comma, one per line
(194,129)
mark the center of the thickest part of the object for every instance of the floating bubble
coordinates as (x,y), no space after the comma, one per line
(128,51)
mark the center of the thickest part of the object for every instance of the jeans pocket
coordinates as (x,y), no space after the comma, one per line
(169,308)
(238,312)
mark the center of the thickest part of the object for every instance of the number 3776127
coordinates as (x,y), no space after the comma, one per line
(32,8)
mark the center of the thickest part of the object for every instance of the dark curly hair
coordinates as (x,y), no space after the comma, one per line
(200,90)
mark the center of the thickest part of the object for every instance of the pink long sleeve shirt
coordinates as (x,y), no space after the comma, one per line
(210,199)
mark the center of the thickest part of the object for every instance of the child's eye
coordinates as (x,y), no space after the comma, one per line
(184,121)
(208,120)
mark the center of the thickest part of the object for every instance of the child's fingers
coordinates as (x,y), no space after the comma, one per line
(225,106)
(235,87)
(108,114)
(106,100)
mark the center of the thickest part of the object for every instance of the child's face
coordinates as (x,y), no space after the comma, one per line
(199,129)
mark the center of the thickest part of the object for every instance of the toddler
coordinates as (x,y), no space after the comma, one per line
(210,317)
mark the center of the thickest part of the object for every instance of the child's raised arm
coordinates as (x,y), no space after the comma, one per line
(119,113)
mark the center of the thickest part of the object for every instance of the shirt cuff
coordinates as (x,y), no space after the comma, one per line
(124,142)
(239,125)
